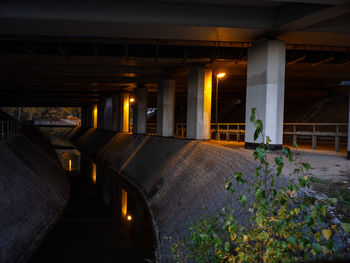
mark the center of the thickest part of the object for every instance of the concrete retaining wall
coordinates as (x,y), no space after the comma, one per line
(177,177)
(34,191)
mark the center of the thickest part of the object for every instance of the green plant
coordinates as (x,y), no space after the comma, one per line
(284,226)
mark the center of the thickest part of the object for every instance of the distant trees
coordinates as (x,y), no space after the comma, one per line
(40,113)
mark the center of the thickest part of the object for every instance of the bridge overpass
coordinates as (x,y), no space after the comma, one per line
(89,53)
(115,59)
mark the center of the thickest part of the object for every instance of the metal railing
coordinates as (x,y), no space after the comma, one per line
(325,131)
(8,129)
(235,131)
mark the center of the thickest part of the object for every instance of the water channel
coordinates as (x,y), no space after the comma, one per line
(106,219)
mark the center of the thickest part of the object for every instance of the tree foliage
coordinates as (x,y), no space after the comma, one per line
(41,113)
(284,225)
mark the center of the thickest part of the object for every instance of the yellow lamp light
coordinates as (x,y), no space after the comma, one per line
(132,100)
(221,75)
(129,218)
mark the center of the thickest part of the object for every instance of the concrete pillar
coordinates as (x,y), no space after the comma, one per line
(100,113)
(140,111)
(116,112)
(166,108)
(85,117)
(89,117)
(349,130)
(124,106)
(199,104)
(265,91)
(108,113)
(94,116)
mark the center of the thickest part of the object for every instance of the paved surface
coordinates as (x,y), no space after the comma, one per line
(34,192)
(178,177)
(325,164)
(181,177)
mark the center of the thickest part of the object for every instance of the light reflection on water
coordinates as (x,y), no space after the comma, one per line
(65,155)
(106,219)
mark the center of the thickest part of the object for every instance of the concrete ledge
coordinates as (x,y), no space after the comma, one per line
(253,146)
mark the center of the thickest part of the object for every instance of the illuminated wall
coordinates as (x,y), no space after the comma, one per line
(93,177)
(125,115)
(124,203)
(94,117)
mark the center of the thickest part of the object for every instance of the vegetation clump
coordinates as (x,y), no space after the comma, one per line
(283,225)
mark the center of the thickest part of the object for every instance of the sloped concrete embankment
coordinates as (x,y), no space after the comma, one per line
(34,192)
(177,177)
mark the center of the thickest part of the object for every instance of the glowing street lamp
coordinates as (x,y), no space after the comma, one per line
(129,217)
(221,75)
(218,76)
(132,100)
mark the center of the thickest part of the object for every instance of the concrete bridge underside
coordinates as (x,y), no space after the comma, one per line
(90,53)
(166,54)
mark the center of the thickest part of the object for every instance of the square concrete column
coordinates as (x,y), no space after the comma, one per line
(85,114)
(166,108)
(90,112)
(94,116)
(100,115)
(199,104)
(116,112)
(108,113)
(120,112)
(349,130)
(124,106)
(265,91)
(140,110)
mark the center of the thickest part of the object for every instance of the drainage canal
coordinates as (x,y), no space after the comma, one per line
(106,219)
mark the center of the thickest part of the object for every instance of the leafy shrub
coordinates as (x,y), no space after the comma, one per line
(284,226)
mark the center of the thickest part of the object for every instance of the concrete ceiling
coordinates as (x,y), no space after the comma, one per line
(221,20)
(75,52)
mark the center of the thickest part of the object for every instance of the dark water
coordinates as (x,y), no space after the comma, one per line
(94,227)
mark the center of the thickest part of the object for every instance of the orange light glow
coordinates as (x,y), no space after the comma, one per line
(129,218)
(94,173)
(95,116)
(132,99)
(125,118)
(124,203)
(70,165)
(221,75)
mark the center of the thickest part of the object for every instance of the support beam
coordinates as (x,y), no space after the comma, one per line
(322,61)
(100,114)
(85,116)
(140,110)
(124,112)
(199,104)
(108,113)
(94,116)
(295,61)
(166,108)
(314,18)
(265,91)
(116,112)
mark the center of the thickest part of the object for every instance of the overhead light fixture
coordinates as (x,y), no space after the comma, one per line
(221,75)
